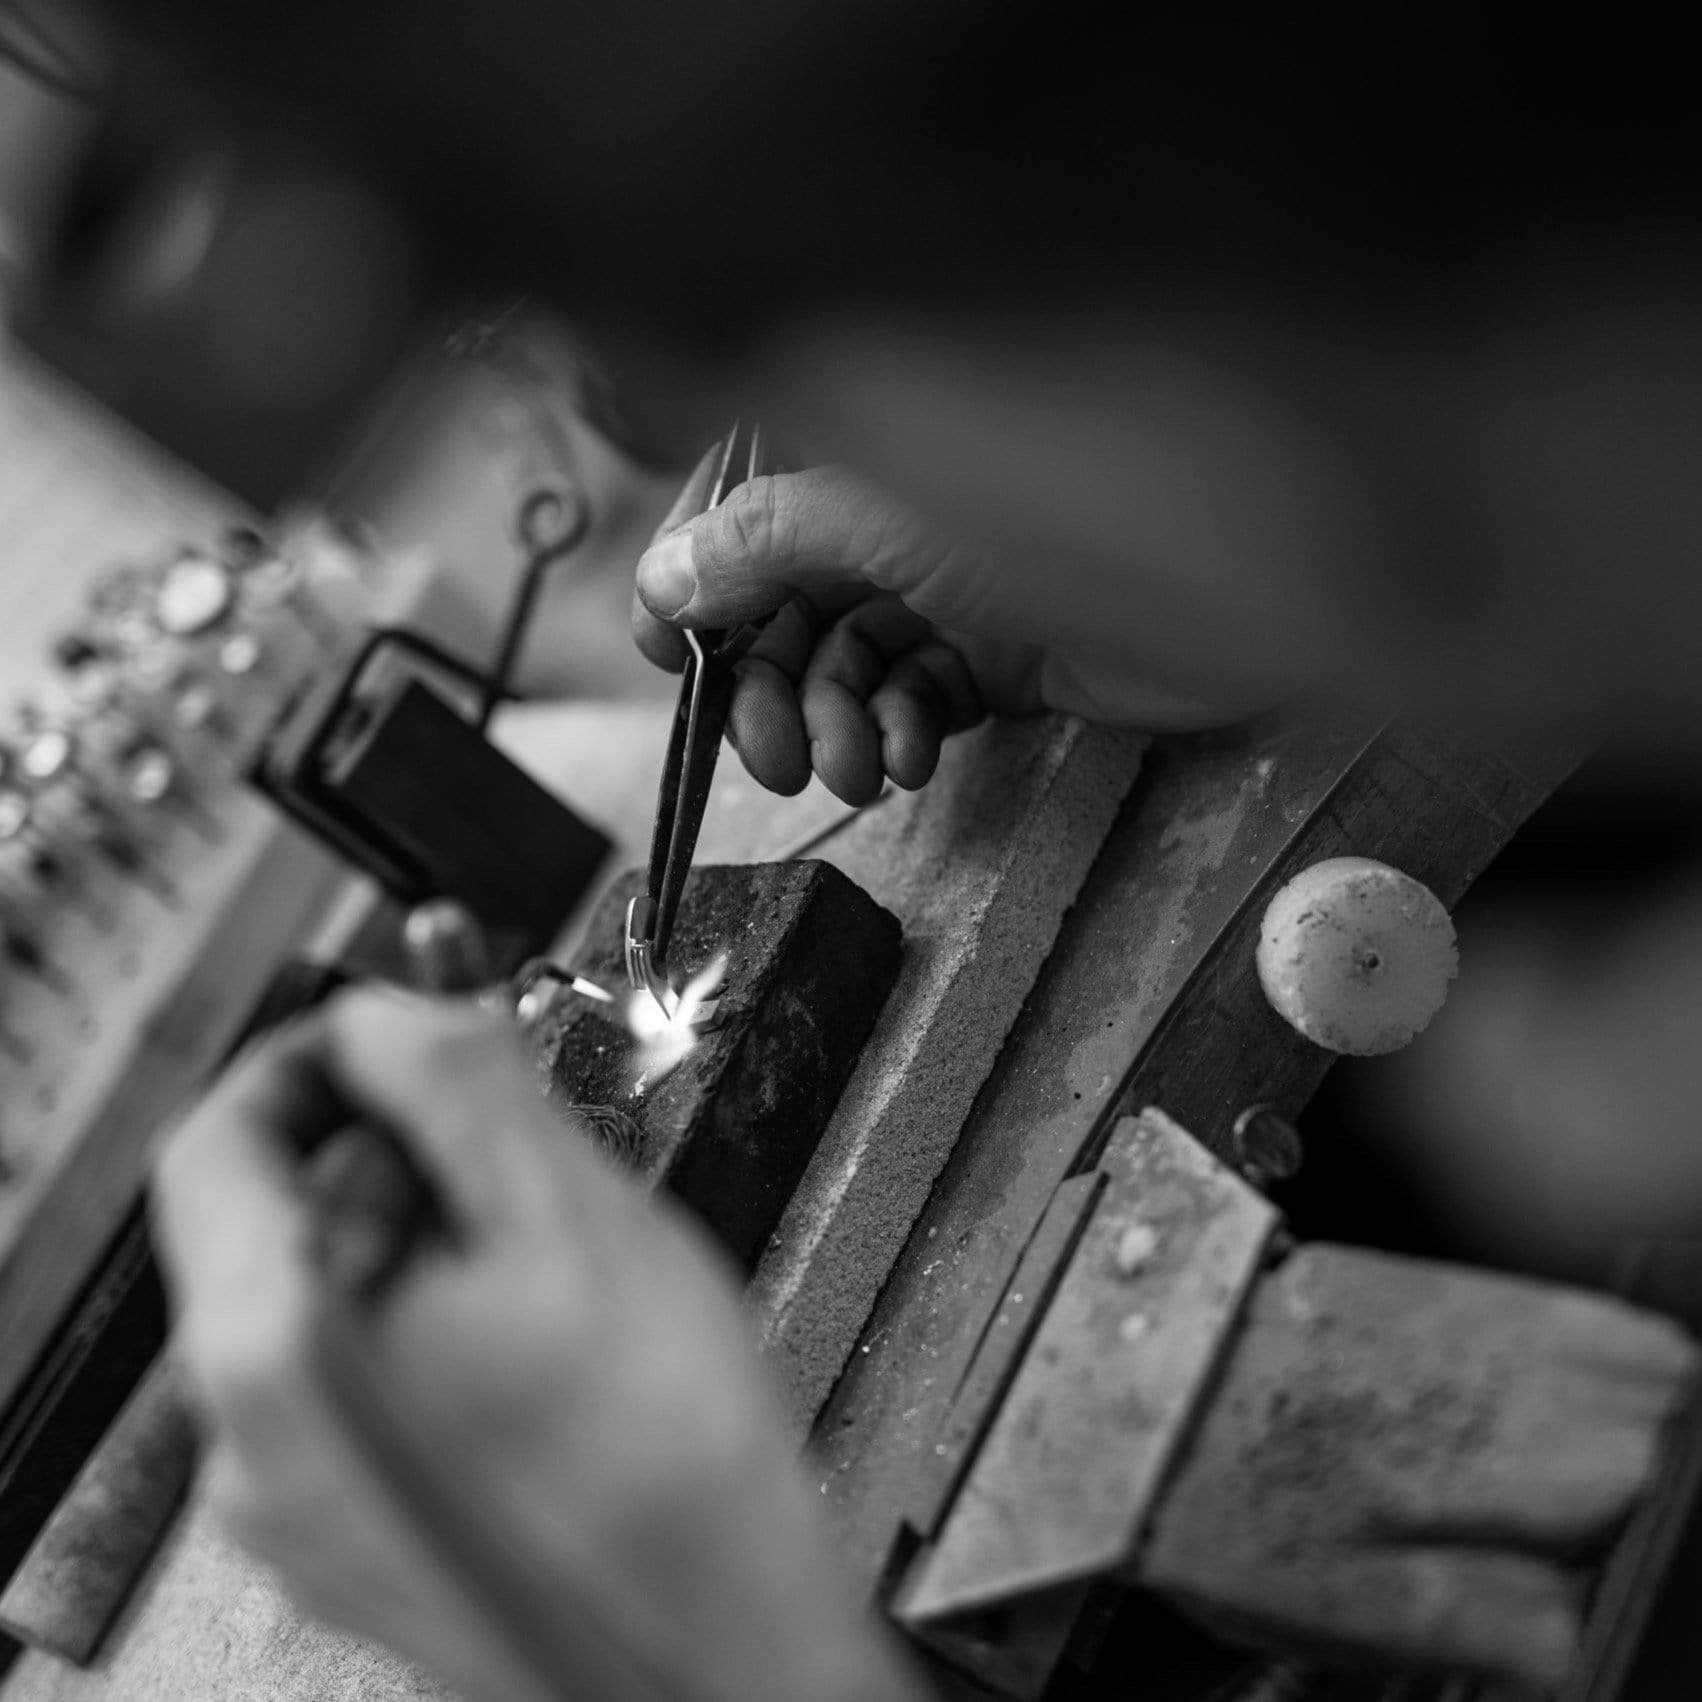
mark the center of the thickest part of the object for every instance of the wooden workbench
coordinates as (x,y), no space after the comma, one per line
(1149,996)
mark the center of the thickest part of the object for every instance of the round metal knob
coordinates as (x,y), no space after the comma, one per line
(1356,955)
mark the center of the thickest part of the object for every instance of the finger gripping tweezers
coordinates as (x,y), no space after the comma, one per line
(694,743)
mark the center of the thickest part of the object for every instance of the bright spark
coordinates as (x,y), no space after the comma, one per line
(666,1038)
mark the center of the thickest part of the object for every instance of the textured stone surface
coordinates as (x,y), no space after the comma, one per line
(810,959)
(210,1625)
(979,868)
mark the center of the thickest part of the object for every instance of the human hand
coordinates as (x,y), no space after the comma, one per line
(574,1352)
(888,635)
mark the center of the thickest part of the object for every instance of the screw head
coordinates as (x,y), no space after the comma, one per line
(1267,1146)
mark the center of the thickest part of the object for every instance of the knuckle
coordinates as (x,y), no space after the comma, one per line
(847,656)
(910,683)
(750,530)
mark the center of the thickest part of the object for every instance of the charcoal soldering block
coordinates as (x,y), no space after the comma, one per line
(810,961)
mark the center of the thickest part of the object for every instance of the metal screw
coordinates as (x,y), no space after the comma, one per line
(1266,1145)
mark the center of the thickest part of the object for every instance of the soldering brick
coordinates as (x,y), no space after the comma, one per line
(979,867)
(810,961)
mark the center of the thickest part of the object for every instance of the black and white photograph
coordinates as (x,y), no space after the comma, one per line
(850,851)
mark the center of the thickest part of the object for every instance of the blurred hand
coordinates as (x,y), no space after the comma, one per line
(888,634)
(575,1349)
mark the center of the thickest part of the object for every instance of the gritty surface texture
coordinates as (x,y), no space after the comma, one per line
(209,1625)
(1068,1471)
(1409,1460)
(979,868)
(809,961)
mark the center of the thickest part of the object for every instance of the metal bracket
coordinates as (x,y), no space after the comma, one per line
(1071,1463)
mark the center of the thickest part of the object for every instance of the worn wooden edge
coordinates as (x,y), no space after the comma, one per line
(108,1338)
(1001,1348)
(90,1555)
(259,891)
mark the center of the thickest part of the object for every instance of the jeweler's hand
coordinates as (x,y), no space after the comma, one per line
(572,1350)
(888,635)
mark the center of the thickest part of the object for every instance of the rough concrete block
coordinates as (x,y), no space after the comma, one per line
(211,1624)
(810,961)
(979,868)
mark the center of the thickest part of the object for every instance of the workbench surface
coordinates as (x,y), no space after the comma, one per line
(1149,996)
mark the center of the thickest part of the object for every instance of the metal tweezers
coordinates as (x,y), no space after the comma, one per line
(706,695)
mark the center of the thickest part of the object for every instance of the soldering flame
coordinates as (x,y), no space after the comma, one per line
(666,1040)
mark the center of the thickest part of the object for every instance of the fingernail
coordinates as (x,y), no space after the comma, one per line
(666,578)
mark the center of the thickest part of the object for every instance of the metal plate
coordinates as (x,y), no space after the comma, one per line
(1074,1460)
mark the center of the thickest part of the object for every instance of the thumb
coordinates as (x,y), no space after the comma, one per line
(777,536)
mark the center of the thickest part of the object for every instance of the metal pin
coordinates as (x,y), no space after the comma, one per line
(241,655)
(56,766)
(49,754)
(149,775)
(1267,1146)
(193,596)
(196,709)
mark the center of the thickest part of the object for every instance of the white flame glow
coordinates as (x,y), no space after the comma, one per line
(665,1040)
